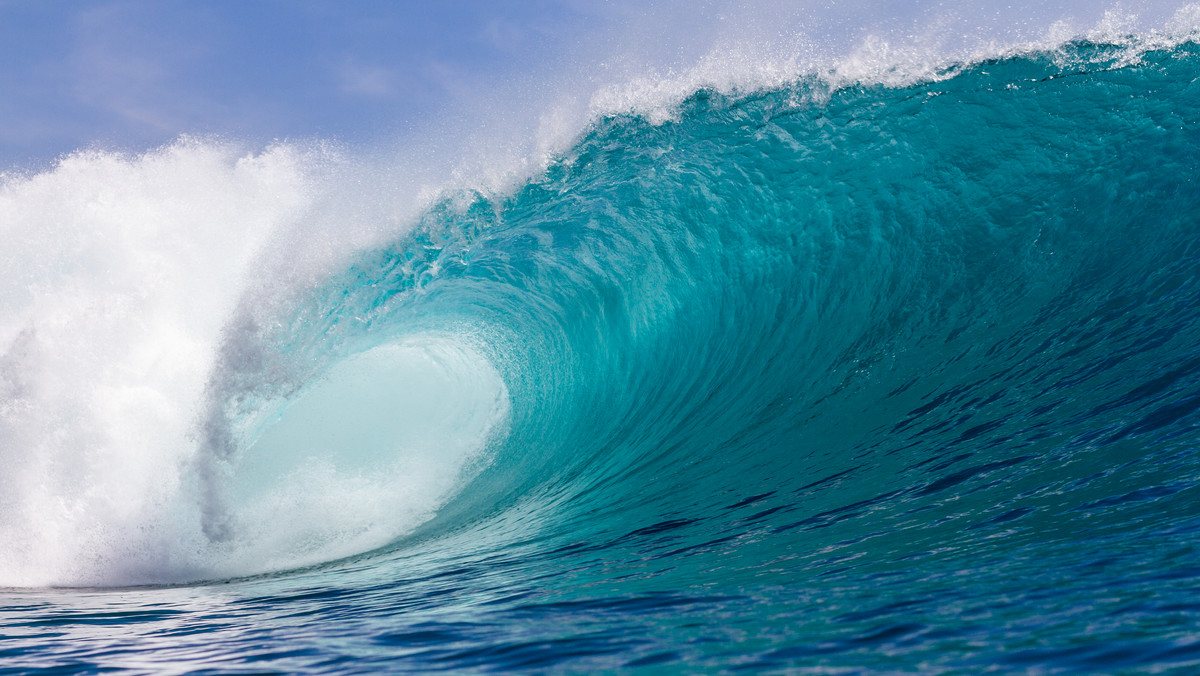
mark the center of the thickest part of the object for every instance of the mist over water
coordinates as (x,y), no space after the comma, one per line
(874,351)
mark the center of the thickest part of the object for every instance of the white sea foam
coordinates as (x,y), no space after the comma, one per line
(121,275)
(889,56)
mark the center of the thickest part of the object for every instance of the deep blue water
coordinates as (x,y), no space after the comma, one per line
(895,378)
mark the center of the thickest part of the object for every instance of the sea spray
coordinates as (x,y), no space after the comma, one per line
(123,274)
(120,274)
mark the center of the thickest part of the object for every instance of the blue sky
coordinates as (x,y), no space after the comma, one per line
(132,74)
(136,73)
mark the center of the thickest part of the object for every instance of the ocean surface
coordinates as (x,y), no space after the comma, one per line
(836,374)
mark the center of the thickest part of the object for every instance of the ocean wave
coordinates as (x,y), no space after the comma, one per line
(901,361)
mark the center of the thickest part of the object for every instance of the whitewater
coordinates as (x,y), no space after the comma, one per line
(880,363)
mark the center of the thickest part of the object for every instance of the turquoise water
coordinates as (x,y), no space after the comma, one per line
(868,377)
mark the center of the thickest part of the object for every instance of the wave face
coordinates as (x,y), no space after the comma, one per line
(870,376)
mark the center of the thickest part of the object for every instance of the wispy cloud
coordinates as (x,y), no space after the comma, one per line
(504,34)
(124,69)
(366,80)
